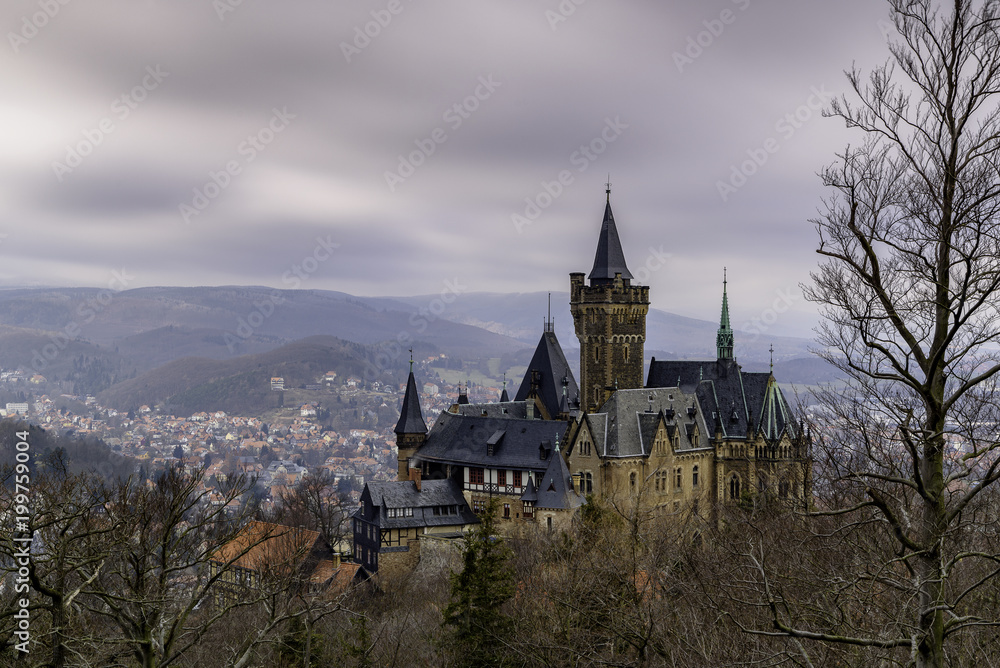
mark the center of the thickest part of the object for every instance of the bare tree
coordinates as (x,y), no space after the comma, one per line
(909,291)
(155,588)
(315,503)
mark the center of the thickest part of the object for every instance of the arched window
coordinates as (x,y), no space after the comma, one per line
(694,476)
(631,479)
(783,489)
(734,487)
(678,479)
(626,353)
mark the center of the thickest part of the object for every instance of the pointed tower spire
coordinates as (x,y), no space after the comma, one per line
(411,420)
(724,339)
(504,397)
(610,259)
(411,430)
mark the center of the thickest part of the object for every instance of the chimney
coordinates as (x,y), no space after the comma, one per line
(415,477)
(577,477)
(529,407)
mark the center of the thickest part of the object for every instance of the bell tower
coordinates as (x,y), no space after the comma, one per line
(609,316)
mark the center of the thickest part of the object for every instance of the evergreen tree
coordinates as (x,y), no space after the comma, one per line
(477,627)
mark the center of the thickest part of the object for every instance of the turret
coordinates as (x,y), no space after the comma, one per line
(609,316)
(411,430)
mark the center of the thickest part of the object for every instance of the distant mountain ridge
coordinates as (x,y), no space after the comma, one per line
(93,339)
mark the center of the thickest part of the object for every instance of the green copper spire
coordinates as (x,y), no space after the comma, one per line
(724,339)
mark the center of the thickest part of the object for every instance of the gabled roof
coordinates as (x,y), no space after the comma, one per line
(728,396)
(462,439)
(550,361)
(411,421)
(555,487)
(610,259)
(404,494)
(261,545)
(626,424)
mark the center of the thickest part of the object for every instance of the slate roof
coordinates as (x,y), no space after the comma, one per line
(529,493)
(404,494)
(411,421)
(550,361)
(610,259)
(555,489)
(512,409)
(462,439)
(739,401)
(625,426)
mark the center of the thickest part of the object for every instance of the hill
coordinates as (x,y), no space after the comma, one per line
(241,385)
(87,340)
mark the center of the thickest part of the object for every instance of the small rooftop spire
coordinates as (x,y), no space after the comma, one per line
(549,324)
(772,359)
(608,190)
(724,339)
(411,360)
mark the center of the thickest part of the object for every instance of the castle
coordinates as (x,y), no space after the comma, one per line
(695,435)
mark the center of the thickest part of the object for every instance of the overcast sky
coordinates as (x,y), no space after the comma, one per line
(116,114)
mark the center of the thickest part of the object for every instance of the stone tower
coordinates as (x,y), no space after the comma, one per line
(411,430)
(610,320)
